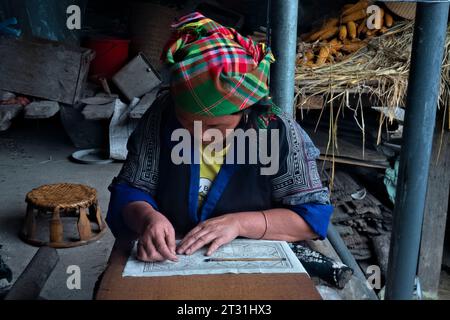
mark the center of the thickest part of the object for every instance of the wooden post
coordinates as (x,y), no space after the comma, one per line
(29,229)
(98,215)
(436,206)
(84,226)
(56,227)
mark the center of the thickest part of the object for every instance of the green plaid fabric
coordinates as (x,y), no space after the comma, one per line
(214,70)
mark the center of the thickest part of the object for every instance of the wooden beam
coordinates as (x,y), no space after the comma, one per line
(30,283)
(143,105)
(43,69)
(436,206)
(99,112)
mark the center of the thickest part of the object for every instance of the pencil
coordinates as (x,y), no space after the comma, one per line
(243,259)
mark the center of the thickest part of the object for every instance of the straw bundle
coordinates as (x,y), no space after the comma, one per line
(380,70)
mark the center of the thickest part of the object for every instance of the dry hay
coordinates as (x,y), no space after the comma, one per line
(379,70)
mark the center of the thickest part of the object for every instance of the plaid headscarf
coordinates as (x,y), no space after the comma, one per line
(214,70)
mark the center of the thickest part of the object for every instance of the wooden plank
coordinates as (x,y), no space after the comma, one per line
(435,215)
(30,283)
(353,162)
(347,150)
(99,112)
(137,78)
(288,286)
(143,105)
(48,70)
(99,99)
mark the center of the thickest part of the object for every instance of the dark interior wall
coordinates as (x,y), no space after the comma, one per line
(107,18)
(110,17)
(42,18)
(313,11)
(310,11)
(47,18)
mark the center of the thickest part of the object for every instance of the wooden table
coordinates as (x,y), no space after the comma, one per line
(276,286)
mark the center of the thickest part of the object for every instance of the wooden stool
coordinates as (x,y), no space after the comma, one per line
(55,207)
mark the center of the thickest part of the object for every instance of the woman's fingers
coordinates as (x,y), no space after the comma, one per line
(141,252)
(191,239)
(162,247)
(201,242)
(216,244)
(171,240)
(189,234)
(148,252)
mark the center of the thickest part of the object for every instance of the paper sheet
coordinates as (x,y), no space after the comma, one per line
(240,248)
(120,129)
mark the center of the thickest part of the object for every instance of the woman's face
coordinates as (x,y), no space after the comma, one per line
(221,123)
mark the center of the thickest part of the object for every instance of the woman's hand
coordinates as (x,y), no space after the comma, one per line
(216,231)
(157,242)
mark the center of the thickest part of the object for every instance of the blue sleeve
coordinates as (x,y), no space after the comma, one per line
(317,216)
(121,195)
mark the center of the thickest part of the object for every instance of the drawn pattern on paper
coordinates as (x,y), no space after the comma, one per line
(196,263)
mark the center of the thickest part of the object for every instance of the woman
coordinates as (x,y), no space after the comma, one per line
(218,80)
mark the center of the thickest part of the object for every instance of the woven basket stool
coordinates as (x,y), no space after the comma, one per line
(62,216)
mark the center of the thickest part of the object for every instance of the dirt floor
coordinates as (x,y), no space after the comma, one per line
(32,154)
